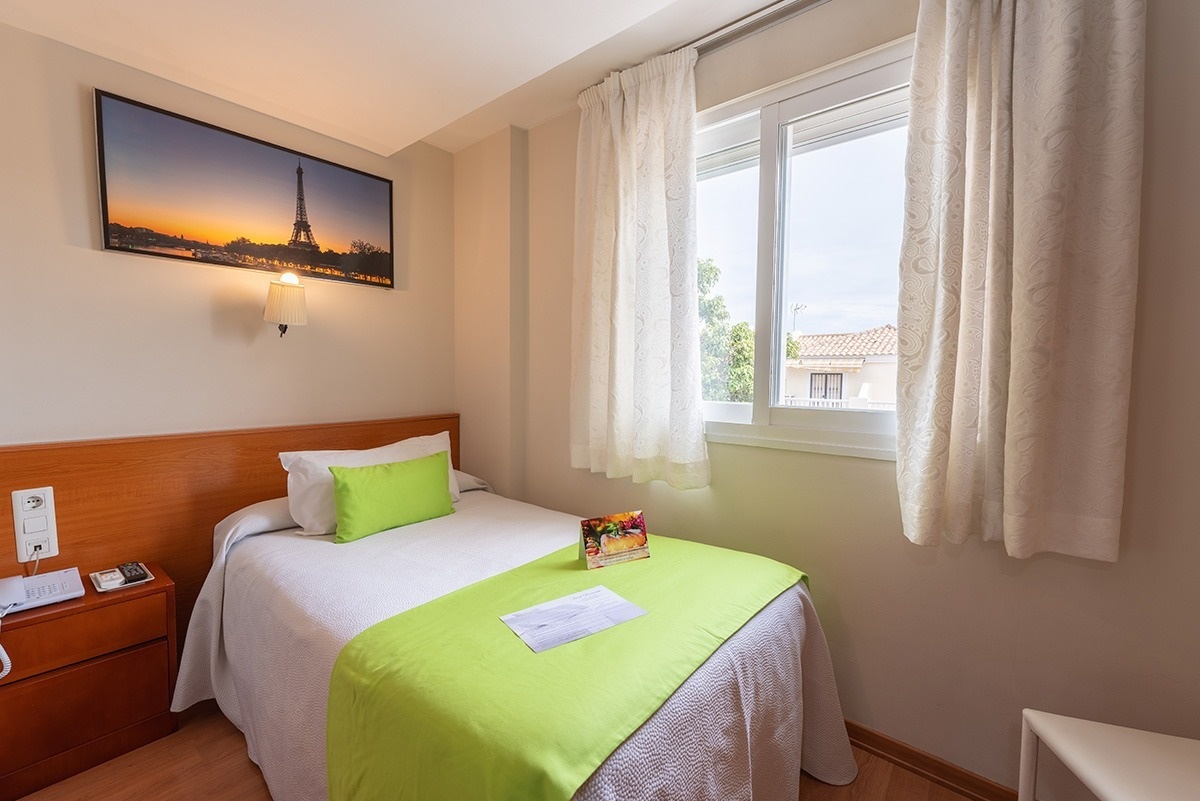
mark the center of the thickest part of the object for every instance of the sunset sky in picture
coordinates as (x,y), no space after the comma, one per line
(184,179)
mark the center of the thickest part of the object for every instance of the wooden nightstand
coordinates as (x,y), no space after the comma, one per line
(92,679)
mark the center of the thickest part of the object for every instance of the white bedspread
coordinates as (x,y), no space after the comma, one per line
(277,608)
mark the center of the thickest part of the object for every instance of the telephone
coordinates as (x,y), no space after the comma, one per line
(20,593)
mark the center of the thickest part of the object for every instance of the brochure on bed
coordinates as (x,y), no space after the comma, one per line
(613,539)
(444,701)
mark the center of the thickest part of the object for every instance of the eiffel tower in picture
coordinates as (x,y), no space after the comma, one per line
(302,235)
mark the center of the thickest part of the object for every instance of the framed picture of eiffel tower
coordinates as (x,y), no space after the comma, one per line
(176,187)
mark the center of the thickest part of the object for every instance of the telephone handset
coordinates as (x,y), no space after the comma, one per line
(12,592)
(19,593)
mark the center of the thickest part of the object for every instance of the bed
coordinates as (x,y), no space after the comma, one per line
(277,608)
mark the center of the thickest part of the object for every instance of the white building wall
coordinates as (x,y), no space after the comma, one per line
(877,371)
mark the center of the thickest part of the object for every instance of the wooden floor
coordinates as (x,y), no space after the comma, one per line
(207,759)
(878,780)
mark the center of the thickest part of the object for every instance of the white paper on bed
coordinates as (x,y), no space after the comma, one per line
(570,618)
(277,608)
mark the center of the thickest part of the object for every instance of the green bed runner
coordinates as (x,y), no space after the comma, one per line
(445,703)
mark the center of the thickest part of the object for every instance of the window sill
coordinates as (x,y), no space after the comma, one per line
(834,441)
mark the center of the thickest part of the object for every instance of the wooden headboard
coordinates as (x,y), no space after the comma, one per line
(158,498)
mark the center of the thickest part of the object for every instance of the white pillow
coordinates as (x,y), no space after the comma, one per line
(468,482)
(310,484)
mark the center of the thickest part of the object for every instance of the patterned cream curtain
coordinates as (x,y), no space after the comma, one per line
(635,357)
(1019,272)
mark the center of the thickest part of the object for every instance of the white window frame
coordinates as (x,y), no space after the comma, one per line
(863,433)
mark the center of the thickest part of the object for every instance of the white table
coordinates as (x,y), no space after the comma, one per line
(1116,763)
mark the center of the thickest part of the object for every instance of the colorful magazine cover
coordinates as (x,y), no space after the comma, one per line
(614,538)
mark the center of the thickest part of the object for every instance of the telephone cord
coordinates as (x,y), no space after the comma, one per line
(5,663)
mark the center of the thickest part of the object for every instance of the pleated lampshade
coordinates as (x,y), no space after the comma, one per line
(285,303)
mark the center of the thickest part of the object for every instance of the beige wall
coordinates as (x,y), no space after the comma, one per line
(942,647)
(491,235)
(100,344)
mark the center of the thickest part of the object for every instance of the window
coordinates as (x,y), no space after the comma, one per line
(825,386)
(800,194)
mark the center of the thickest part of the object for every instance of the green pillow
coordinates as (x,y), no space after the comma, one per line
(379,497)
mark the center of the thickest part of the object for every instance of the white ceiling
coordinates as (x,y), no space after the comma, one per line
(380,75)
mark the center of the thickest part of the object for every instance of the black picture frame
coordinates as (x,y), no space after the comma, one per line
(180,188)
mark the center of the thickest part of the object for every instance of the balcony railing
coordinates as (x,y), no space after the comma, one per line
(839,403)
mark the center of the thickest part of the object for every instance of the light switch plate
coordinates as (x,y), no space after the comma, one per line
(35,523)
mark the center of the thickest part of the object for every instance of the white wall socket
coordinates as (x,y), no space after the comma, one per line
(34,522)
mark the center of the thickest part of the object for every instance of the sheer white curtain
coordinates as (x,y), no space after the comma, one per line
(1019,272)
(635,357)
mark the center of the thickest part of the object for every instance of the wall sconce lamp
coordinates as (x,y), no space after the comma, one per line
(285,303)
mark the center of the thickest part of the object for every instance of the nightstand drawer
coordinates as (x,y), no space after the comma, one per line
(42,716)
(52,644)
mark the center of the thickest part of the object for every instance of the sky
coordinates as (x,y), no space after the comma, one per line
(842,240)
(181,178)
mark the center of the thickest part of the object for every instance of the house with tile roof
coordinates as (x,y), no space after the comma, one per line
(854,370)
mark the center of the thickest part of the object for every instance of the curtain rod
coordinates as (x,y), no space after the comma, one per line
(751,23)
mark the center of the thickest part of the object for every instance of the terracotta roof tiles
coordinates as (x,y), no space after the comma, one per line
(879,341)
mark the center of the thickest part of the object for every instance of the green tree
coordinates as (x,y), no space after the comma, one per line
(793,346)
(726,353)
(714,334)
(741,363)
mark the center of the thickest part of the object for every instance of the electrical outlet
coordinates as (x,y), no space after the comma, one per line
(35,524)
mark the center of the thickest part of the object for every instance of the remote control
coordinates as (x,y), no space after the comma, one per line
(133,572)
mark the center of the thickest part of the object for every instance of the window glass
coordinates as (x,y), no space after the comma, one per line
(726,247)
(842,214)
